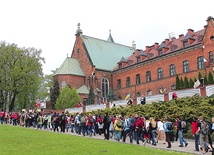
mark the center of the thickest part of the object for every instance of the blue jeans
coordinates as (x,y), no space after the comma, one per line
(89,129)
(153,132)
(181,138)
(196,137)
(72,128)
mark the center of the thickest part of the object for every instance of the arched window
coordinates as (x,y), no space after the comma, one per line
(105,87)
(63,84)
(172,70)
(186,66)
(200,62)
(160,73)
(211,56)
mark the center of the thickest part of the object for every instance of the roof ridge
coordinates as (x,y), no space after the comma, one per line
(107,41)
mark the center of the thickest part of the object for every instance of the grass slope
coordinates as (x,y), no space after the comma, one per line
(20,141)
(16,140)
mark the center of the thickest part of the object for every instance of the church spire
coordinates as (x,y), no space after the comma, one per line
(110,39)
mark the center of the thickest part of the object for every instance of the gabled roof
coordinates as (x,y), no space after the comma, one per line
(70,66)
(83,90)
(104,54)
(187,36)
(162,45)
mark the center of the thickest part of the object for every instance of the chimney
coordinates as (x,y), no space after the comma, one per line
(133,44)
(148,48)
(156,45)
(181,35)
(167,42)
(191,32)
(173,38)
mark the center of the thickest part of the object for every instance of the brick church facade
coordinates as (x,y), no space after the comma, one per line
(112,67)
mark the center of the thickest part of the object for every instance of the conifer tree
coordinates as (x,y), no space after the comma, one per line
(178,85)
(205,80)
(210,78)
(186,82)
(182,83)
(191,83)
(54,93)
(91,96)
(199,76)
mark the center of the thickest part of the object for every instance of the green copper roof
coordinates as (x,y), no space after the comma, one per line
(70,66)
(83,90)
(105,54)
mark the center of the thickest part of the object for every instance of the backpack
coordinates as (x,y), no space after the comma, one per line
(91,120)
(119,124)
(169,126)
(108,120)
(82,119)
(204,128)
(183,124)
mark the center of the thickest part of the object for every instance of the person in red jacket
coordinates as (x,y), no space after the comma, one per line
(194,132)
(14,118)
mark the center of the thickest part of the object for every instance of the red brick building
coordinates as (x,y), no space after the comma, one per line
(111,66)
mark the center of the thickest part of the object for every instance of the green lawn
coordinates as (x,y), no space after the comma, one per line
(15,140)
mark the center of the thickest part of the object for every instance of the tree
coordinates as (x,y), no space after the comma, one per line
(68,98)
(191,83)
(178,85)
(20,71)
(186,82)
(205,80)
(54,94)
(182,83)
(199,76)
(91,96)
(210,78)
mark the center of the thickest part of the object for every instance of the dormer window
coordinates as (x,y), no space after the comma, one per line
(138,59)
(185,44)
(160,52)
(120,66)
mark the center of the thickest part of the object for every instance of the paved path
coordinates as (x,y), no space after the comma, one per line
(175,145)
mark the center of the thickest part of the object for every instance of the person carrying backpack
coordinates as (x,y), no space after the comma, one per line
(203,129)
(168,129)
(89,124)
(82,124)
(180,132)
(118,127)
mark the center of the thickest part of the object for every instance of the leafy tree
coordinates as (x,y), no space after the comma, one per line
(210,78)
(178,85)
(68,98)
(182,83)
(54,94)
(20,70)
(91,96)
(186,82)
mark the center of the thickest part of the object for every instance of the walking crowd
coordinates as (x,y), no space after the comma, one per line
(139,129)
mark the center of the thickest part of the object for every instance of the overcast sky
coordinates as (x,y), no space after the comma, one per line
(50,25)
